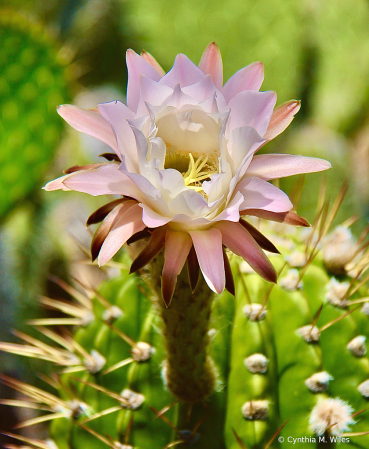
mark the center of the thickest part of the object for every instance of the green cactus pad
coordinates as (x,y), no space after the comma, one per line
(33,79)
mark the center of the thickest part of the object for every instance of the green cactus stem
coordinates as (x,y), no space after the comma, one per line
(189,372)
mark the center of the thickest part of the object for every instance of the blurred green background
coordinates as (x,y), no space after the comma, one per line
(73,51)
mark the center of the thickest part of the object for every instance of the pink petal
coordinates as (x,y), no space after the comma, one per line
(184,72)
(137,66)
(117,114)
(121,231)
(89,122)
(250,77)
(75,168)
(179,98)
(153,62)
(57,184)
(101,213)
(274,166)
(229,285)
(211,104)
(260,194)
(193,268)
(151,92)
(232,211)
(208,247)
(153,219)
(211,64)
(290,217)
(153,247)
(177,247)
(239,240)
(202,90)
(252,108)
(282,116)
(105,180)
(104,229)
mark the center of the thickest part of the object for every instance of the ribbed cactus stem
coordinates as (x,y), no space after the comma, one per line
(189,372)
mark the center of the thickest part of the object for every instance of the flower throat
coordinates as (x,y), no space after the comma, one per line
(194,168)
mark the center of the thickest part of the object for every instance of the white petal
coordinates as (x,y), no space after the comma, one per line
(189,203)
(232,211)
(244,140)
(171,183)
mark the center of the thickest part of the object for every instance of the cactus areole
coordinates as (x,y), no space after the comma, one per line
(185,166)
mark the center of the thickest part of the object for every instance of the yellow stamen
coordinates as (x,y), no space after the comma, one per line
(195,175)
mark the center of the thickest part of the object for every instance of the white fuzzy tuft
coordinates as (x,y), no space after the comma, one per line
(318,382)
(291,281)
(357,346)
(255,410)
(256,363)
(309,333)
(332,416)
(254,312)
(335,293)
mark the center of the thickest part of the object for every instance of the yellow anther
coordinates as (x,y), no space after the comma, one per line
(195,174)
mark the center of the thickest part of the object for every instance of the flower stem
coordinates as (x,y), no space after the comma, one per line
(190,373)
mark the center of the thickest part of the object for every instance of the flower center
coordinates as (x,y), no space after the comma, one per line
(195,168)
(191,137)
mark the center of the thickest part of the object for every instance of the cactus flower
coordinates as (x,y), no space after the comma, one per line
(186,167)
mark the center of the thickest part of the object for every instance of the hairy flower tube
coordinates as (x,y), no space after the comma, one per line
(185,167)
